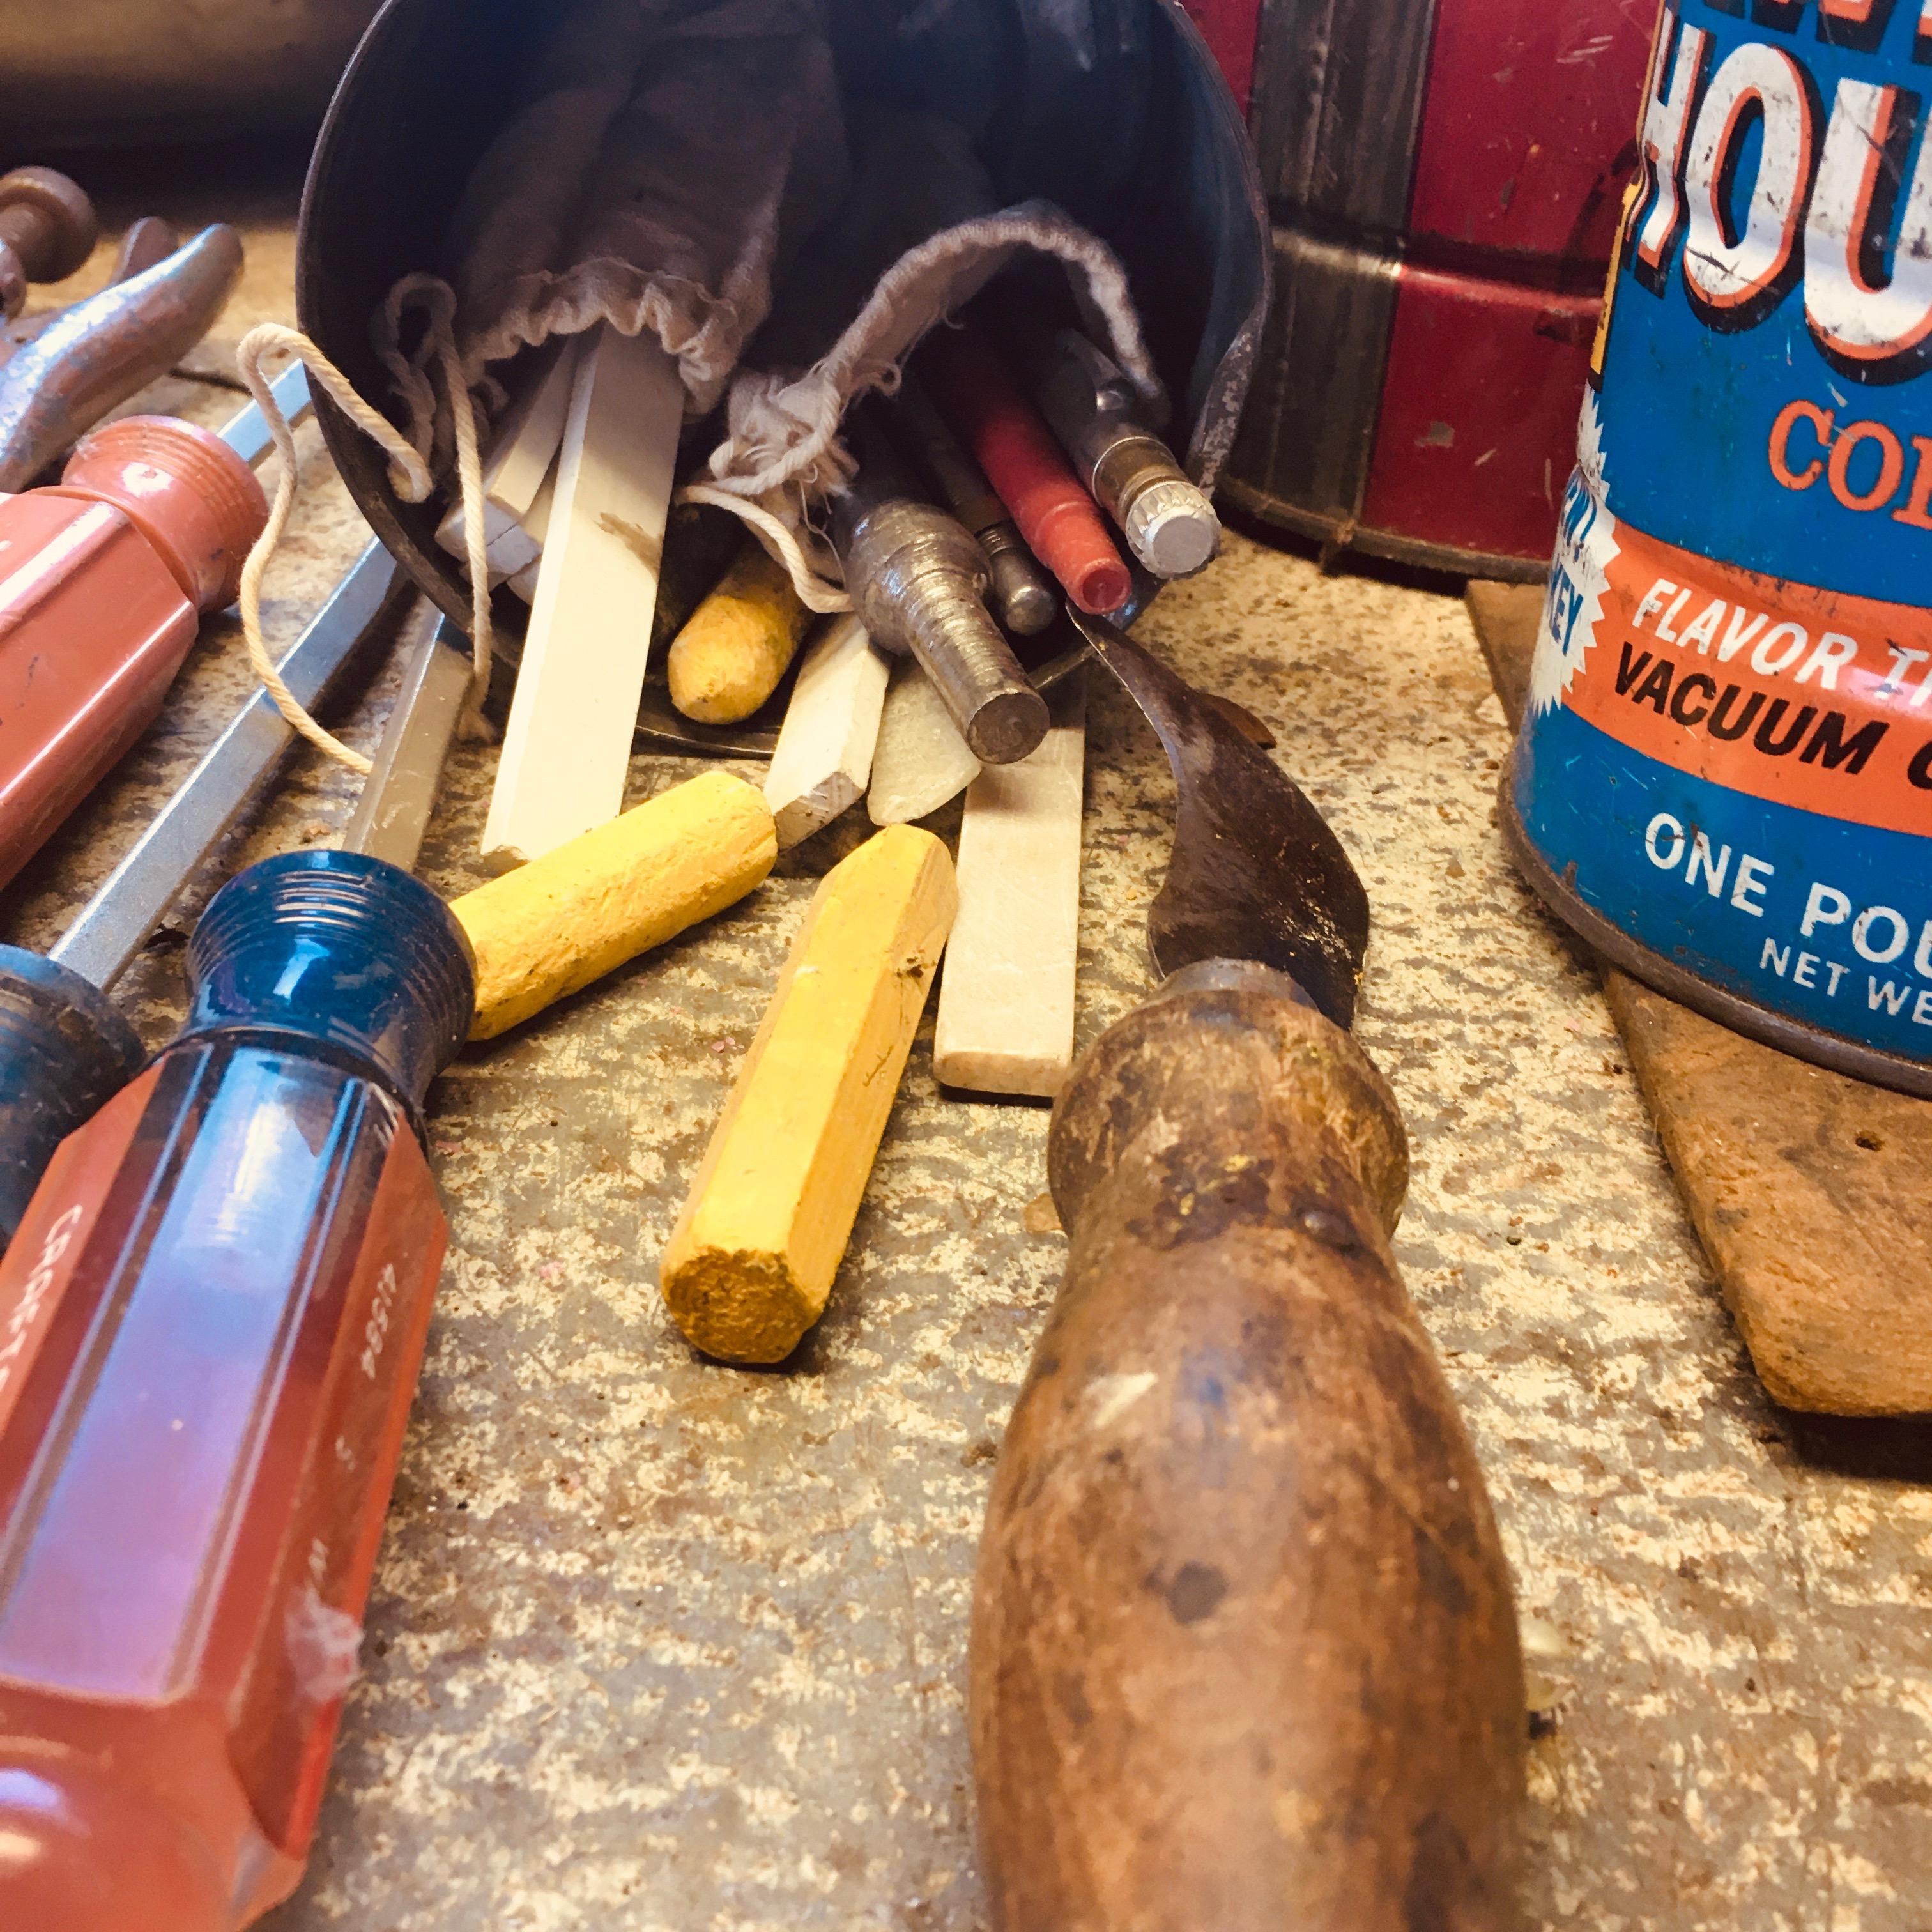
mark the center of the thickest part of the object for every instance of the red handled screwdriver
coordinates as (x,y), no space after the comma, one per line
(104,577)
(211,1322)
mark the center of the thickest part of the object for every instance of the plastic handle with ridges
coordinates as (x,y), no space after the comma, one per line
(1243,1650)
(210,1325)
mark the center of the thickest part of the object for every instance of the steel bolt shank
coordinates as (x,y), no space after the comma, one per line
(1168,520)
(918,581)
(1023,593)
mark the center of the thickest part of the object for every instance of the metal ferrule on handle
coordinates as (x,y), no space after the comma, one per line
(1169,522)
(918,581)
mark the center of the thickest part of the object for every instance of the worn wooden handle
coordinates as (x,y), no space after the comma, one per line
(1244,1654)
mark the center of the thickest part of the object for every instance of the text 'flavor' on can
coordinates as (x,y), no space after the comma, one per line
(1724,776)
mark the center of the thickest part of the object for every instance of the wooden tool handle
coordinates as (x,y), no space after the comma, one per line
(1244,1652)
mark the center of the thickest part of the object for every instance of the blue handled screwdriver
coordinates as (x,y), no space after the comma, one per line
(65,1048)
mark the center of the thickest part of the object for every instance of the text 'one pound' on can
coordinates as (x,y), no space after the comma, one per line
(1724,776)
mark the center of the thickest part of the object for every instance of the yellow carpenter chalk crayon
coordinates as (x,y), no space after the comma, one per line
(751,1259)
(551,927)
(728,660)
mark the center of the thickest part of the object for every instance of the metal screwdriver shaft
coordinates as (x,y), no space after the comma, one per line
(120,917)
(65,1049)
(247,431)
(393,812)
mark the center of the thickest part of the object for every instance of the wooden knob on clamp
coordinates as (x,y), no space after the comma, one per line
(47,230)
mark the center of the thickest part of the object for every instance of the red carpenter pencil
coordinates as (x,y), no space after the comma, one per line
(1060,522)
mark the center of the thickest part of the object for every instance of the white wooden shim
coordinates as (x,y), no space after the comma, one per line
(522,455)
(1006,1004)
(536,527)
(824,757)
(567,749)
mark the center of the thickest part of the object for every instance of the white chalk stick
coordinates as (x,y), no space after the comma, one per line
(521,456)
(921,762)
(1006,1005)
(567,747)
(823,757)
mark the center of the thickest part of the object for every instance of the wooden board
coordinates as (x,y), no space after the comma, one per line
(1808,1189)
(1005,1003)
(567,747)
(823,757)
(536,526)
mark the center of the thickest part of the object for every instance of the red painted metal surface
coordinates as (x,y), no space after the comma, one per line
(1478,426)
(1446,181)
(1230,27)
(1528,138)
(1529,129)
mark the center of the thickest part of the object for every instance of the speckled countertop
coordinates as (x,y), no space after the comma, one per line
(660,1646)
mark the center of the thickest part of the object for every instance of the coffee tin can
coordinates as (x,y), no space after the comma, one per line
(1723,778)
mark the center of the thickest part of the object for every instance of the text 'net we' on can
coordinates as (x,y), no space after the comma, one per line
(1723,778)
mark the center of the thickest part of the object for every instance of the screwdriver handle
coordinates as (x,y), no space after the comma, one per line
(1243,1648)
(210,1327)
(65,1050)
(110,570)
(92,357)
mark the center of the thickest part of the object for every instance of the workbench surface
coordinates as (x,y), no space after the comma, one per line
(657,1645)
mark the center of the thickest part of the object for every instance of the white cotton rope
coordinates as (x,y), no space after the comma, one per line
(410,473)
(781,544)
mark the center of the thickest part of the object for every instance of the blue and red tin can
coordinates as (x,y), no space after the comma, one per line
(1724,775)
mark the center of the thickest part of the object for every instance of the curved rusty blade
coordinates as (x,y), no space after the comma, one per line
(92,357)
(1256,872)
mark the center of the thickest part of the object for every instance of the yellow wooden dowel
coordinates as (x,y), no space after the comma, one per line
(751,1260)
(549,928)
(729,657)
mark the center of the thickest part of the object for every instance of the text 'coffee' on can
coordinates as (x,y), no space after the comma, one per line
(1724,779)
